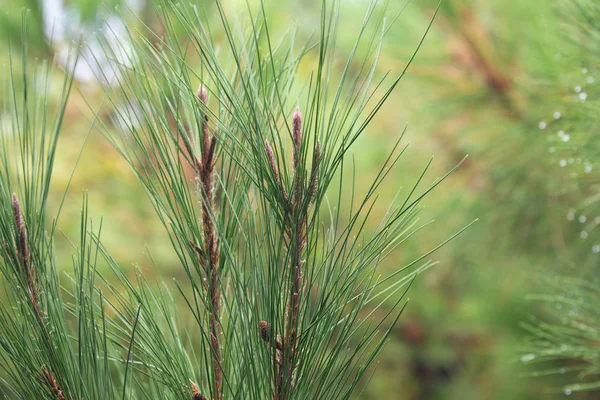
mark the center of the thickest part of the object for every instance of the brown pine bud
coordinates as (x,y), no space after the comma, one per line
(265,334)
(272,162)
(297,135)
(196,395)
(265,329)
(51,381)
(22,244)
(202,94)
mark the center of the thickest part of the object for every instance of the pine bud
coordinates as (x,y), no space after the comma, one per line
(297,135)
(272,162)
(51,381)
(21,230)
(265,335)
(265,329)
(202,94)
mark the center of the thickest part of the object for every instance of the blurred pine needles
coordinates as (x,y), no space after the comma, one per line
(564,335)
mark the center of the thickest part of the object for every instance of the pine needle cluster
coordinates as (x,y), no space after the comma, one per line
(282,297)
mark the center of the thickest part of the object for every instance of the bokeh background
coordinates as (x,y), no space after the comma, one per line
(495,79)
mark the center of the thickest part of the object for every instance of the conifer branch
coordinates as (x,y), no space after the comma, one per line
(295,234)
(211,248)
(25,258)
(209,255)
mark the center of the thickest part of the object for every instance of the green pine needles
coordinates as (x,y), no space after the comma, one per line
(282,296)
(564,340)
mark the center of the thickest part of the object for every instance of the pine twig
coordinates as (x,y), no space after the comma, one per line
(209,255)
(23,250)
(295,233)
(25,259)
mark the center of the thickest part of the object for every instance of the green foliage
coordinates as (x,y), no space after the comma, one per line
(565,342)
(565,335)
(282,293)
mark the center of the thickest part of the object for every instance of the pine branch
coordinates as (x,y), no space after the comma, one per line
(24,253)
(209,257)
(295,231)
(33,288)
(320,348)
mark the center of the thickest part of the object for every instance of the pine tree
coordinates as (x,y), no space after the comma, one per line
(249,172)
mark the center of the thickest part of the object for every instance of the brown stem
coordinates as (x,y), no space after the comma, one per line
(285,379)
(23,249)
(26,263)
(33,289)
(295,233)
(211,247)
(210,254)
(475,52)
(51,381)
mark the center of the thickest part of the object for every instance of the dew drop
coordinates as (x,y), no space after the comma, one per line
(582,219)
(577,89)
(563,163)
(527,357)
(596,248)
(583,96)
(565,138)
(583,234)
(542,125)
(556,115)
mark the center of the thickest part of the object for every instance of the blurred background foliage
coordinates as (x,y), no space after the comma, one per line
(511,83)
